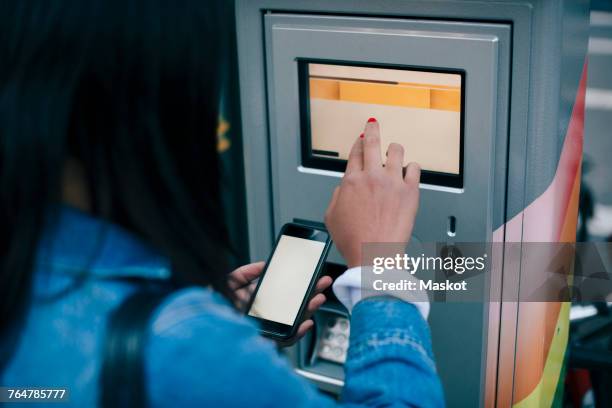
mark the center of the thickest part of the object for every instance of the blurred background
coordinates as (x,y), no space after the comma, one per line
(589,371)
(597,169)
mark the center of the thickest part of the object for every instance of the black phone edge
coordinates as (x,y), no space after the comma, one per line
(319,269)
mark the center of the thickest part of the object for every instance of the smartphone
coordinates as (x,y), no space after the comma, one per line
(288,280)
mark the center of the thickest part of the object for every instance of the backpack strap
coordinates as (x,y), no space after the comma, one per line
(122,378)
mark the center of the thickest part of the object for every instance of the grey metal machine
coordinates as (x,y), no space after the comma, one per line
(493,85)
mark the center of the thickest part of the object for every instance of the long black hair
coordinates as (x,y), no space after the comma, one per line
(128,89)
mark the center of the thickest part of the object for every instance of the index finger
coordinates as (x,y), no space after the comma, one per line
(371,146)
(244,275)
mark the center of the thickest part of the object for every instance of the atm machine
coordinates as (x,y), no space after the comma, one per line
(488,96)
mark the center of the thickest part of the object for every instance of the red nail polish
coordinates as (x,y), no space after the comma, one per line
(361,135)
(371,120)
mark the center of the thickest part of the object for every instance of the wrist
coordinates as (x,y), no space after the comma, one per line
(353,262)
(357,283)
(353,257)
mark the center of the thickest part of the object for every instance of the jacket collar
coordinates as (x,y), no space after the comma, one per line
(78,244)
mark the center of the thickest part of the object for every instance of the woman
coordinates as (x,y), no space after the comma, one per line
(110,184)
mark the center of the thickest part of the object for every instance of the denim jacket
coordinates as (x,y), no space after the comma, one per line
(201,351)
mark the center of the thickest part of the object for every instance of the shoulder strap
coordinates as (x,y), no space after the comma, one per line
(122,378)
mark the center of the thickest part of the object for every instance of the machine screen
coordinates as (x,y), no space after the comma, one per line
(421,110)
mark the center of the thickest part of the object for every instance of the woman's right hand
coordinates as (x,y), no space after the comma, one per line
(374,203)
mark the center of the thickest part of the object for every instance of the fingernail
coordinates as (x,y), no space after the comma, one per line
(361,135)
(371,120)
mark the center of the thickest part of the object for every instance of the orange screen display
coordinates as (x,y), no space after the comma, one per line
(420,110)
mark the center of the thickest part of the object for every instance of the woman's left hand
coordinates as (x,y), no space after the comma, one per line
(244,279)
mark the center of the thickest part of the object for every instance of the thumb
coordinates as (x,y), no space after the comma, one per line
(245,274)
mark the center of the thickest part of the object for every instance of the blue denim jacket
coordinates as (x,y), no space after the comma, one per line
(201,352)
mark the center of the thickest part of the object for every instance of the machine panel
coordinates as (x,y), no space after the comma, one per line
(326,75)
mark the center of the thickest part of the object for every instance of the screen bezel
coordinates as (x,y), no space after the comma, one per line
(311,161)
(280,330)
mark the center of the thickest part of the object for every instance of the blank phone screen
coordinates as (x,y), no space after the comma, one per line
(286,279)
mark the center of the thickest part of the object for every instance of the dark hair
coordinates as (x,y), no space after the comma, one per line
(129,89)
